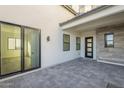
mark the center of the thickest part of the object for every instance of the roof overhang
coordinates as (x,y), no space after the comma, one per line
(69,9)
(98,17)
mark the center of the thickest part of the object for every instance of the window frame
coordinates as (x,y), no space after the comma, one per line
(66,42)
(78,43)
(105,40)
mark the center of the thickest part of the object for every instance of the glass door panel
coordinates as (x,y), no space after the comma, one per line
(31,48)
(10,48)
(89,47)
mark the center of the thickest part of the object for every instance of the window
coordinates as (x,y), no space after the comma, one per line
(77,43)
(66,42)
(14,43)
(109,40)
(11,43)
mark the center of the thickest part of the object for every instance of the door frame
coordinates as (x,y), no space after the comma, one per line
(87,47)
(22,49)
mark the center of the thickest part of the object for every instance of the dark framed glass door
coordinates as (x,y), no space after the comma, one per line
(20,49)
(31,48)
(89,47)
(10,39)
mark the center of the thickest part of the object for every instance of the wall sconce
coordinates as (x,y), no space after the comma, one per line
(48,38)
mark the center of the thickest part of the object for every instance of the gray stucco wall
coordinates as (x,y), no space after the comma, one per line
(115,54)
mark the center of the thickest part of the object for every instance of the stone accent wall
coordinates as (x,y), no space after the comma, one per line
(115,54)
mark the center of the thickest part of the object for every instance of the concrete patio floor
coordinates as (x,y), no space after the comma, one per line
(79,73)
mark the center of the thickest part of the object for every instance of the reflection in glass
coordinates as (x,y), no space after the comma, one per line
(66,38)
(89,54)
(109,37)
(18,43)
(31,48)
(89,40)
(109,43)
(78,43)
(109,40)
(89,49)
(11,43)
(66,42)
(10,56)
(89,44)
(66,46)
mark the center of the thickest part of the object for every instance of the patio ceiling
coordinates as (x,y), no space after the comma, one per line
(103,16)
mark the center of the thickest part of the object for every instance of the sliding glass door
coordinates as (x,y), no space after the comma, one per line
(31,48)
(19,48)
(10,49)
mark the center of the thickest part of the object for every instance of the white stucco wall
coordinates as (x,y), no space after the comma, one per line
(47,18)
(88,34)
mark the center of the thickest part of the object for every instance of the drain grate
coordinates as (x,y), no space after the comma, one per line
(110,85)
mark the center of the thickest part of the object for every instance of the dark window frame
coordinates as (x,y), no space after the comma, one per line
(66,42)
(105,40)
(78,43)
